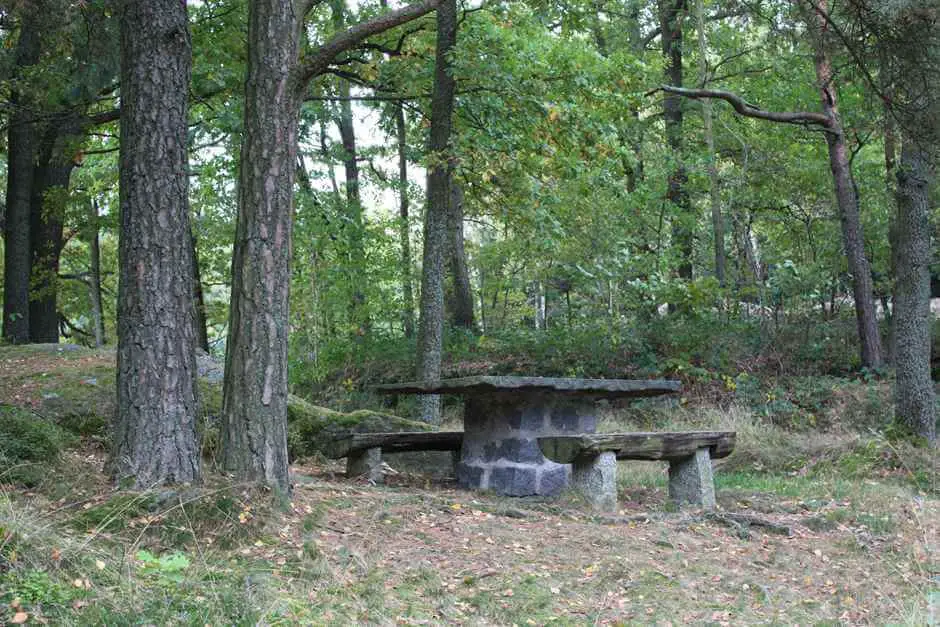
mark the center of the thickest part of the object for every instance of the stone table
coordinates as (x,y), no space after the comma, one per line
(505,416)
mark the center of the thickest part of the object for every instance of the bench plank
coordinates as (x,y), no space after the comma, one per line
(639,445)
(400,442)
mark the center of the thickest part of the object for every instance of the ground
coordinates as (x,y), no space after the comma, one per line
(837,539)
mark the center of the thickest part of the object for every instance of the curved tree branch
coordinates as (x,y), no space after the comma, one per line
(318,62)
(748,110)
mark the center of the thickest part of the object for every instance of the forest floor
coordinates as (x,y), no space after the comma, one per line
(419,552)
(842,536)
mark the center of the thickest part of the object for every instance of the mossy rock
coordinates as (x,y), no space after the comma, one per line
(74,388)
(28,444)
(310,427)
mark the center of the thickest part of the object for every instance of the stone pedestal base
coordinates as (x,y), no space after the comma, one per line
(500,447)
(366,463)
(690,480)
(596,480)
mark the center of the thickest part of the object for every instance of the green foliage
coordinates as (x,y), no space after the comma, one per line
(166,570)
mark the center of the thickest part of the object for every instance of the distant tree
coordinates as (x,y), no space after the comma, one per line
(155,427)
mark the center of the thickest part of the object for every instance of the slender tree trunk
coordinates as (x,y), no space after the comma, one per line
(847,200)
(431,322)
(22,138)
(718,226)
(462,310)
(155,428)
(254,407)
(199,303)
(51,177)
(671,13)
(356,271)
(914,394)
(404,232)
(94,274)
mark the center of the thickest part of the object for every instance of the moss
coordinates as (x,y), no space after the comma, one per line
(28,444)
(310,427)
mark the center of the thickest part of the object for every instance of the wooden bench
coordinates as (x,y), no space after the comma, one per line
(594,461)
(363,451)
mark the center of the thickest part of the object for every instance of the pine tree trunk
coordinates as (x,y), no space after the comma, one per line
(914,395)
(462,310)
(847,200)
(671,16)
(431,322)
(22,138)
(155,428)
(254,406)
(51,177)
(404,232)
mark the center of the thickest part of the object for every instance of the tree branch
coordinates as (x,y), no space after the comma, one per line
(319,61)
(750,111)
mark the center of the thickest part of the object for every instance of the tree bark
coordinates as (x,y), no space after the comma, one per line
(404,232)
(155,428)
(914,394)
(671,13)
(440,175)
(52,173)
(462,310)
(254,406)
(21,142)
(846,198)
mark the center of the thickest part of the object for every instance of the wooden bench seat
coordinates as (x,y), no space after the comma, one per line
(594,461)
(363,451)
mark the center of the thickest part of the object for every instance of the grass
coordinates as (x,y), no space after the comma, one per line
(345,552)
(863,509)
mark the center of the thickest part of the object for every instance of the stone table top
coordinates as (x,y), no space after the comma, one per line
(595,388)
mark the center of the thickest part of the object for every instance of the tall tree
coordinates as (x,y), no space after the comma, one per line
(404,230)
(254,407)
(846,191)
(21,142)
(671,17)
(437,215)
(155,427)
(718,227)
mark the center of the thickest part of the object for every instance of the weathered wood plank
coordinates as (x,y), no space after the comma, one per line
(396,442)
(600,388)
(638,445)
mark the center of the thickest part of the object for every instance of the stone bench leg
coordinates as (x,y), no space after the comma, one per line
(367,463)
(596,479)
(691,481)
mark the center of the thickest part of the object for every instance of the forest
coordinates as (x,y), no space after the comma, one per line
(226,221)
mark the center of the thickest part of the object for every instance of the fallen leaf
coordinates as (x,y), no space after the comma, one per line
(19,618)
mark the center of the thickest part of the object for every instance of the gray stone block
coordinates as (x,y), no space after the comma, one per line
(469,476)
(596,480)
(691,480)
(514,480)
(532,419)
(522,450)
(553,478)
(367,463)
